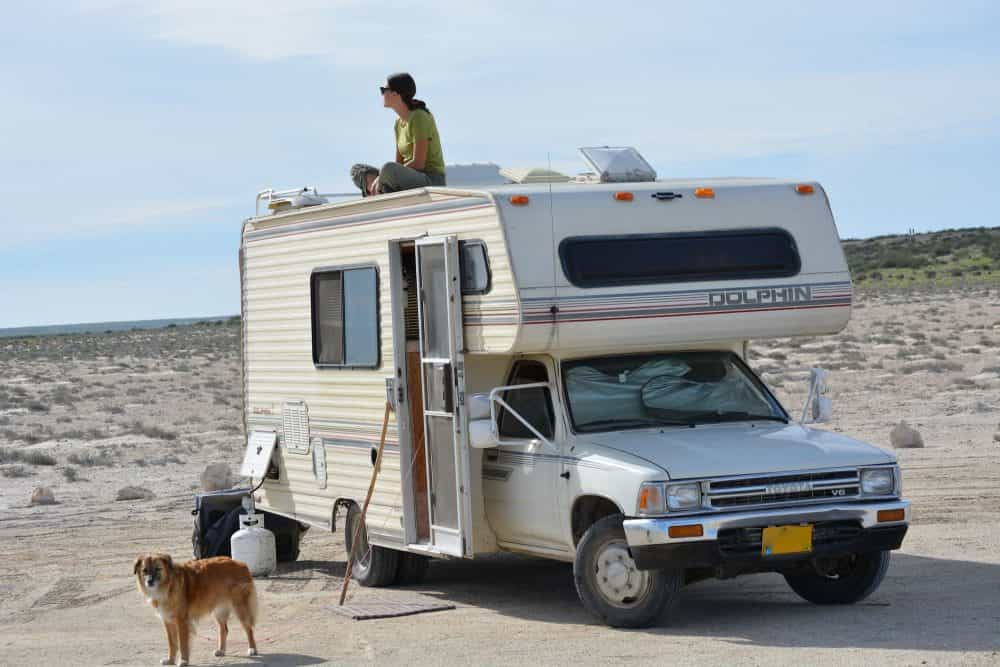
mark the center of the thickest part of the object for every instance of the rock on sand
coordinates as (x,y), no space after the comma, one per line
(42,495)
(216,477)
(904,436)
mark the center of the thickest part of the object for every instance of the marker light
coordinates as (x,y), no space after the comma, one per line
(804,189)
(691,530)
(884,516)
(519,200)
(623,196)
(704,193)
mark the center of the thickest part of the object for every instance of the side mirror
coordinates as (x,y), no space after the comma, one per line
(822,411)
(818,407)
(481,434)
(484,432)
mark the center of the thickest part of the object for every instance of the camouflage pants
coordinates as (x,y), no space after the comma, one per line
(394,177)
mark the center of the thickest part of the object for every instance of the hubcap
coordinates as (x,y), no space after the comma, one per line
(616,576)
(362,556)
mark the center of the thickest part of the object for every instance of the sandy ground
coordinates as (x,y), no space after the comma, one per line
(152,408)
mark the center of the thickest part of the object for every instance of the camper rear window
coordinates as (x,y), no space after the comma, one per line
(345,317)
(641,259)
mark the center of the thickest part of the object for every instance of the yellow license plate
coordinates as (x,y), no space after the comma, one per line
(778,540)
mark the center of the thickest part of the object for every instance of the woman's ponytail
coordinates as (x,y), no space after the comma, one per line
(413,104)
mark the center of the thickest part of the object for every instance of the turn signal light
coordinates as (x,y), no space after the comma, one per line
(623,196)
(519,200)
(884,516)
(704,193)
(804,189)
(691,530)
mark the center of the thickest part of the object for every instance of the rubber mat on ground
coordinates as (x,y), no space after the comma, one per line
(365,610)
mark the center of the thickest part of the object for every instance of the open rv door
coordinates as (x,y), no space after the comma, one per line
(442,367)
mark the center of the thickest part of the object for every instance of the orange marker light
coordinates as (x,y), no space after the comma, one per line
(623,196)
(885,516)
(804,189)
(519,200)
(692,530)
(704,193)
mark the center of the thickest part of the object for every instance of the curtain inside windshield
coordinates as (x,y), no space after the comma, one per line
(662,388)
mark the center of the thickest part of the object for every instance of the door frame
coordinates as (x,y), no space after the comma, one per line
(462,543)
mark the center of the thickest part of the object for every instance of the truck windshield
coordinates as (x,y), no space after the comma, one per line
(667,389)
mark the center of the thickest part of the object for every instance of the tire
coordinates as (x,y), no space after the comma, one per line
(604,551)
(412,569)
(373,566)
(852,583)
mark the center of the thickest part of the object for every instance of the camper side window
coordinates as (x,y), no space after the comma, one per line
(475,267)
(534,404)
(345,329)
(645,259)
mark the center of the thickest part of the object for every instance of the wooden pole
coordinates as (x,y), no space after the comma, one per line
(364,509)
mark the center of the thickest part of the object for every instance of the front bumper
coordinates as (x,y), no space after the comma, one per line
(846,528)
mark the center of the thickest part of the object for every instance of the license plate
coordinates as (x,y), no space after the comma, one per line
(778,540)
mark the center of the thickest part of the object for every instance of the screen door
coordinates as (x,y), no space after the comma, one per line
(442,366)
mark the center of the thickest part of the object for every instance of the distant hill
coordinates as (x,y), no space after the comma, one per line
(948,257)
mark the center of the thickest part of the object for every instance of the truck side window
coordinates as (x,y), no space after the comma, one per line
(535,404)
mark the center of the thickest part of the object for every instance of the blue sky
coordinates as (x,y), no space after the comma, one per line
(134,135)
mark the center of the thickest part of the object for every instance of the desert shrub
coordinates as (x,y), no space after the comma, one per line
(16,471)
(153,431)
(11,455)
(931,366)
(91,459)
(37,406)
(71,474)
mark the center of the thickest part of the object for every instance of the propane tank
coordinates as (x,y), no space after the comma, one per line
(253,544)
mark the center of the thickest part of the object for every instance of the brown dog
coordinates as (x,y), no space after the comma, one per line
(182,594)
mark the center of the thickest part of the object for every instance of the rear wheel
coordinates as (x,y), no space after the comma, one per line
(846,581)
(612,588)
(373,566)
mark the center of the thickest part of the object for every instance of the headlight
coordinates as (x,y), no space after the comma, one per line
(877,482)
(683,496)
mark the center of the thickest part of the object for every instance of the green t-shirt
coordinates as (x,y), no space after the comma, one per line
(420,125)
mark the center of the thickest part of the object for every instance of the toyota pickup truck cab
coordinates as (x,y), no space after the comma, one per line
(564,365)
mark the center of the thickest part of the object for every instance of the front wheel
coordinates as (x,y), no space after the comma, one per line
(612,588)
(848,581)
(373,566)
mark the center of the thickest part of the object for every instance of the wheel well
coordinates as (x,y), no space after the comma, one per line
(587,510)
(340,503)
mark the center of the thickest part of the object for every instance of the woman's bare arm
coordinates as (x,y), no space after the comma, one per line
(419,154)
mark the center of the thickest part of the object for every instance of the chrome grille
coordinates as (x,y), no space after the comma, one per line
(783,489)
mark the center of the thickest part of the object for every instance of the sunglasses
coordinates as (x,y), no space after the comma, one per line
(384,89)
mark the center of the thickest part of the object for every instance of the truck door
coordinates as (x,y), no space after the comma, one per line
(443,373)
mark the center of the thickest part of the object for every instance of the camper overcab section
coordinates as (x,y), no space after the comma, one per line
(565,368)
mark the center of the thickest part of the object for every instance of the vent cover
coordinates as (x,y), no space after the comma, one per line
(295,427)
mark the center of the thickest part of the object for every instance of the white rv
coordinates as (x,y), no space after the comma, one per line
(565,362)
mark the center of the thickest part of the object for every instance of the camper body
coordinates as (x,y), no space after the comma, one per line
(565,368)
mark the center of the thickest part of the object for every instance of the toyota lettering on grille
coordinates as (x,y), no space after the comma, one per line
(787,487)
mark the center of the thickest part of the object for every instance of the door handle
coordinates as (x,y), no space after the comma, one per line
(565,474)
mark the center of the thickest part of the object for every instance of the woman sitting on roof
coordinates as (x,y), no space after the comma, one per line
(419,161)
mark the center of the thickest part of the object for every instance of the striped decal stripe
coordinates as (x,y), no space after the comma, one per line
(644,305)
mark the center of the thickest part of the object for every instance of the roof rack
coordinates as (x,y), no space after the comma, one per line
(284,200)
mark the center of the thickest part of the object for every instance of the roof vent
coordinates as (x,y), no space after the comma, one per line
(524,175)
(618,165)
